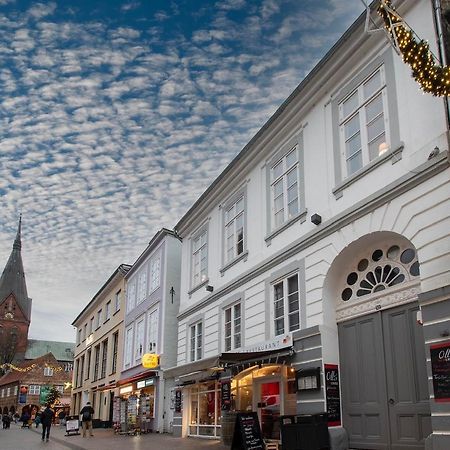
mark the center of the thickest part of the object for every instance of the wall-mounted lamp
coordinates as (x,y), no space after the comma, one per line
(316,219)
(209,288)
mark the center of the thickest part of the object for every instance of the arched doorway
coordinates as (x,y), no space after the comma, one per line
(385,399)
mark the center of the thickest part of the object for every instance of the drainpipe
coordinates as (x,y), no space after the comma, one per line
(437,16)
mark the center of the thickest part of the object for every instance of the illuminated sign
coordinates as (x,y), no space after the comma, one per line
(126,390)
(150,360)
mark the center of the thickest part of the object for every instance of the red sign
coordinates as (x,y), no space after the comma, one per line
(440,369)
(332,394)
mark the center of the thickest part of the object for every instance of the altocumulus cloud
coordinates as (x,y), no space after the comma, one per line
(115,118)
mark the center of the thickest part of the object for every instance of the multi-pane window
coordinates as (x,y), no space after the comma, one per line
(60,389)
(285,188)
(152,331)
(81,371)
(199,259)
(142,285)
(128,346)
(8,391)
(104,357)
(139,344)
(131,296)
(107,311)
(286,305)
(91,325)
(196,339)
(99,318)
(68,367)
(155,270)
(34,389)
(84,331)
(234,230)
(79,335)
(117,301)
(96,361)
(233,327)
(362,121)
(77,367)
(114,352)
(48,372)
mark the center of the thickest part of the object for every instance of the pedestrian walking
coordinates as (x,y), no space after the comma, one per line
(46,420)
(86,418)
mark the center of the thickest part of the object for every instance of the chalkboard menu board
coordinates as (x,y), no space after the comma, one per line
(225,395)
(332,395)
(440,369)
(178,401)
(247,432)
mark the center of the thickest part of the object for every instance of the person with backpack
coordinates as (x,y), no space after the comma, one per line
(46,420)
(86,418)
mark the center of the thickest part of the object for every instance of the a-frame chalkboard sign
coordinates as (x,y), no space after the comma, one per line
(247,432)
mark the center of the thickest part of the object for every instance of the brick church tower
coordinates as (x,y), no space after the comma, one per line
(15,306)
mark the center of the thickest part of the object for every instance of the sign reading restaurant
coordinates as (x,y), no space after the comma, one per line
(278,343)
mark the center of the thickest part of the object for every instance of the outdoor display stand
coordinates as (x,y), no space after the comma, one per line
(72,425)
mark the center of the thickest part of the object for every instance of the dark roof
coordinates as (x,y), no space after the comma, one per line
(12,280)
(62,351)
(122,269)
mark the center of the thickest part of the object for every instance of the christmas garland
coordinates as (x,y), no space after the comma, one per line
(10,366)
(432,77)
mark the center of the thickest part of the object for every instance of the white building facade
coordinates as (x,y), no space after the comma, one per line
(322,250)
(152,301)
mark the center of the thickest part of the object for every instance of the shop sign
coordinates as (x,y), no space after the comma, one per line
(126,390)
(440,369)
(225,395)
(45,390)
(332,394)
(247,432)
(23,391)
(150,360)
(273,344)
(144,383)
(178,401)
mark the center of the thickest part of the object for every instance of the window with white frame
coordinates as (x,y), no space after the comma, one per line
(199,258)
(60,389)
(234,230)
(285,194)
(131,295)
(107,311)
(34,389)
(48,372)
(8,391)
(196,341)
(128,346)
(85,331)
(155,273)
(91,325)
(16,388)
(363,123)
(68,367)
(232,335)
(139,341)
(152,332)
(99,318)
(286,305)
(117,301)
(142,285)
(79,336)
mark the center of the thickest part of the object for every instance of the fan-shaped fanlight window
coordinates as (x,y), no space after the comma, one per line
(381,271)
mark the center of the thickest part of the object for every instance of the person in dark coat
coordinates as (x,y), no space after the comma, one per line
(86,418)
(46,420)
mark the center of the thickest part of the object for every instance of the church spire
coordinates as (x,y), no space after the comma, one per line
(12,280)
(18,241)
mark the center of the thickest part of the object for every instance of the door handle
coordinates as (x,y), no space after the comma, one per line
(391,401)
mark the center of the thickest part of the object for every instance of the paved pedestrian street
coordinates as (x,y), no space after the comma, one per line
(17,438)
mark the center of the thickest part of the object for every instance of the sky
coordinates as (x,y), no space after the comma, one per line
(115,116)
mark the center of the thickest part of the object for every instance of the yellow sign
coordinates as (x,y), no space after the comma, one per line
(150,360)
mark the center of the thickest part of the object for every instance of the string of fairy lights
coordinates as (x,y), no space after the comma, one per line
(10,366)
(431,76)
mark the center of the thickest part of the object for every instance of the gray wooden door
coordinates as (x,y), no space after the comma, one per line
(384,382)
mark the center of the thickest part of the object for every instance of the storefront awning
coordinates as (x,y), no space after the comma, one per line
(137,377)
(235,359)
(196,366)
(106,387)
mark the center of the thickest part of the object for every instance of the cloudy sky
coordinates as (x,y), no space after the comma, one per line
(116,115)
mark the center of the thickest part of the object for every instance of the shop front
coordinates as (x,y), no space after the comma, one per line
(135,406)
